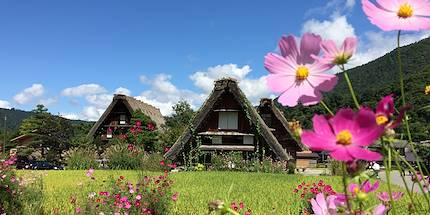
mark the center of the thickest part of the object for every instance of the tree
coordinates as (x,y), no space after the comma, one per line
(50,135)
(177,122)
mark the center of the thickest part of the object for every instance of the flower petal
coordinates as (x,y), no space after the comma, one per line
(380,210)
(341,154)
(349,45)
(344,119)
(309,45)
(329,48)
(276,64)
(318,142)
(363,154)
(288,47)
(280,83)
(323,82)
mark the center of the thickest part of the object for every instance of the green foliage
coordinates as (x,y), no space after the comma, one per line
(176,123)
(121,156)
(234,161)
(143,135)
(379,78)
(50,134)
(151,162)
(81,158)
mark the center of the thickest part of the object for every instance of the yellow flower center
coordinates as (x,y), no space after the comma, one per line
(381,119)
(344,138)
(405,11)
(356,190)
(342,59)
(427,90)
(302,73)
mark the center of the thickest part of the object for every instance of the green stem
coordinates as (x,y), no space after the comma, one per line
(351,89)
(387,162)
(326,107)
(406,119)
(415,175)
(406,185)
(345,187)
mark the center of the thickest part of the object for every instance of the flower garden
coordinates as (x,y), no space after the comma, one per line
(299,75)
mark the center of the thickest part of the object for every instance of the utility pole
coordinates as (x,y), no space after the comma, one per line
(4,135)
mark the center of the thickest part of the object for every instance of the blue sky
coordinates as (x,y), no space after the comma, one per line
(73,55)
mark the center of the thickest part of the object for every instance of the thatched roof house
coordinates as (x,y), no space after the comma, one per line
(119,112)
(227,121)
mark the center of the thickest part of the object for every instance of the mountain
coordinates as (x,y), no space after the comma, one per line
(15,117)
(379,78)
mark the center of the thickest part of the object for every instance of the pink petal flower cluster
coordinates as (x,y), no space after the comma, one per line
(295,74)
(385,196)
(333,55)
(360,191)
(408,15)
(345,135)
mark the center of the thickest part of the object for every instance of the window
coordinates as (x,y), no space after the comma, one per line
(216,140)
(122,119)
(228,120)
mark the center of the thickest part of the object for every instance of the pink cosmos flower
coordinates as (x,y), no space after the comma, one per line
(345,135)
(90,173)
(175,197)
(324,206)
(365,188)
(380,210)
(295,74)
(333,55)
(385,112)
(385,196)
(78,210)
(408,15)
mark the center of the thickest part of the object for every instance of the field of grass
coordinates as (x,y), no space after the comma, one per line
(263,193)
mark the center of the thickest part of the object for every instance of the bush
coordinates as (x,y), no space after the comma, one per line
(123,156)
(234,161)
(9,190)
(151,195)
(81,158)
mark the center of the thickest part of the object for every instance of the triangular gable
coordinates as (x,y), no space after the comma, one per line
(280,116)
(222,86)
(132,105)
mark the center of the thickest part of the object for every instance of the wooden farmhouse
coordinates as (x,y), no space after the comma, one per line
(227,121)
(117,116)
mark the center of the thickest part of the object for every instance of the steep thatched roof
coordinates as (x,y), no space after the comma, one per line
(221,86)
(266,102)
(132,105)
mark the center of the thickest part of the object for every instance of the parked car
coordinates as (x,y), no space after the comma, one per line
(38,165)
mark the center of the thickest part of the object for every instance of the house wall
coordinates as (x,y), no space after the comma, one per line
(227,101)
(113,119)
(281,134)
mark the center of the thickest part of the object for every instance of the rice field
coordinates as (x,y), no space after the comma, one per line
(262,192)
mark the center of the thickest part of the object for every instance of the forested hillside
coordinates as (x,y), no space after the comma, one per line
(379,78)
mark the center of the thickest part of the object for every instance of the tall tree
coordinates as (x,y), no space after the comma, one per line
(50,135)
(177,122)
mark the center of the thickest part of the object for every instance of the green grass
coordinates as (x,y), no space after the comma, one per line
(263,193)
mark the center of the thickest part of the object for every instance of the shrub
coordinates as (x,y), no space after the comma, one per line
(9,201)
(234,161)
(123,156)
(151,195)
(81,158)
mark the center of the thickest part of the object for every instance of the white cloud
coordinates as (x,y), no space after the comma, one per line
(71,116)
(92,113)
(100,100)
(143,79)
(336,29)
(123,91)
(4,104)
(84,89)
(376,44)
(48,101)
(164,94)
(332,7)
(28,94)
(204,79)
